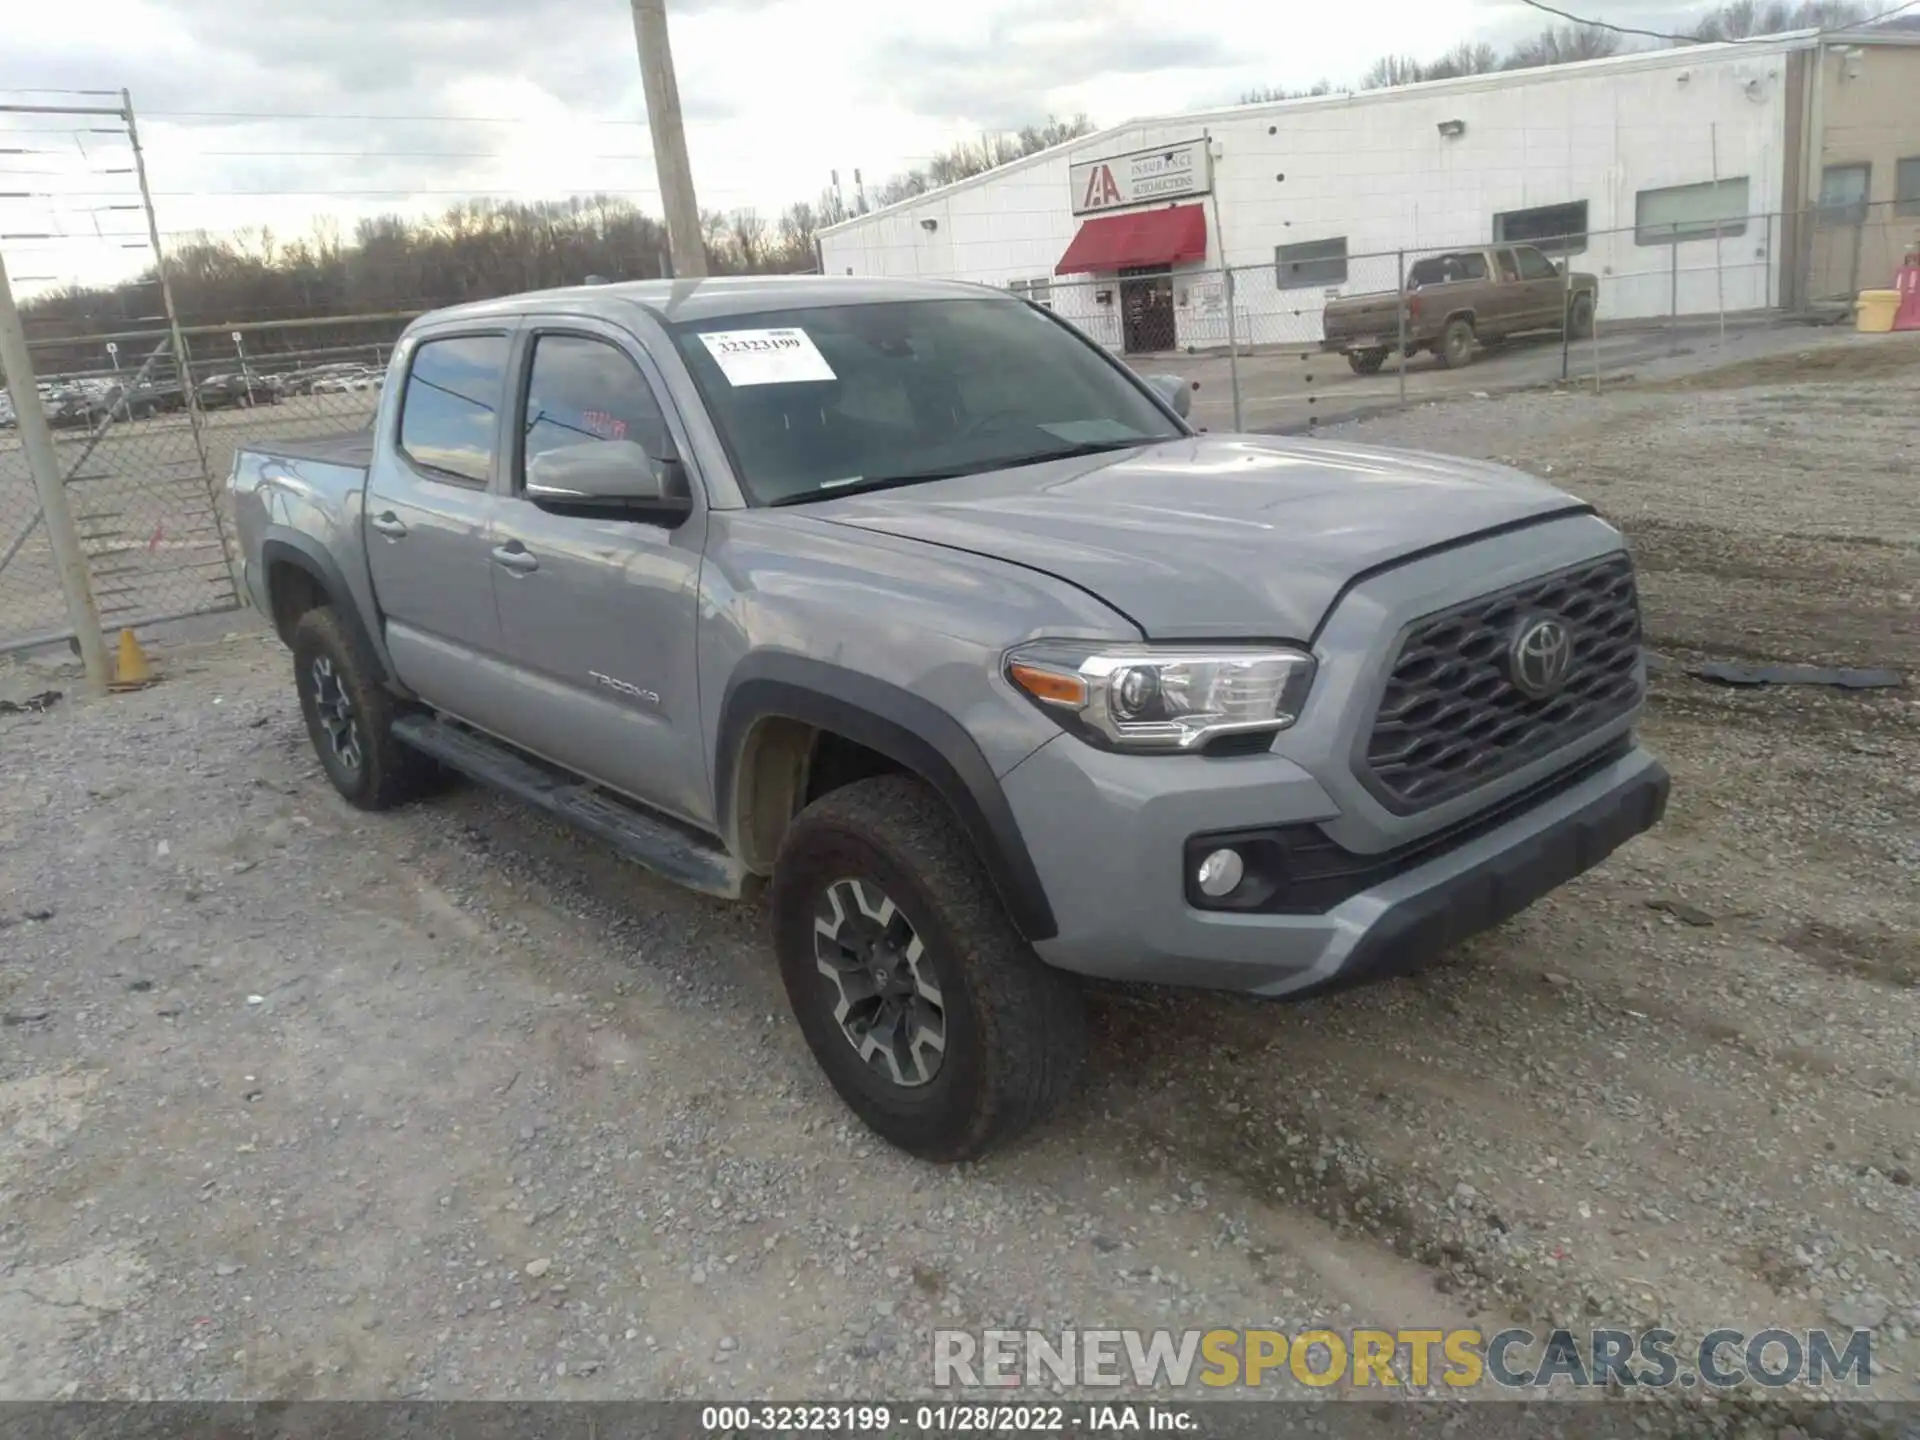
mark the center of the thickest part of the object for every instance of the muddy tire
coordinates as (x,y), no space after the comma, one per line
(349,716)
(1580,318)
(1366,362)
(1455,349)
(932,1017)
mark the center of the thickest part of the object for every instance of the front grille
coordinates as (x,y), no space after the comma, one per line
(1451,719)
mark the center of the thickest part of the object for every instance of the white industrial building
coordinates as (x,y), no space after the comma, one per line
(1731,176)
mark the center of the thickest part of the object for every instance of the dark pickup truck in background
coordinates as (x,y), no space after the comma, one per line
(1458,299)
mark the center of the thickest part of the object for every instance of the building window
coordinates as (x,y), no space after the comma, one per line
(1690,212)
(1843,194)
(1316,262)
(1558,229)
(1040,291)
(1906,190)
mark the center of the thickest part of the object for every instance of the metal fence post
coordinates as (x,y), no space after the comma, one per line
(1233,348)
(1400,363)
(36,438)
(1673,280)
(1566,317)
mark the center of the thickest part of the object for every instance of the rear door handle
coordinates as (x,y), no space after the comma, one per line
(389,525)
(516,557)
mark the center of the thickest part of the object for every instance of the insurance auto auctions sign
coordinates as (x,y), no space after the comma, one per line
(1166,173)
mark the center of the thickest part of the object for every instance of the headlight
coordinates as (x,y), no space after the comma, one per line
(1137,697)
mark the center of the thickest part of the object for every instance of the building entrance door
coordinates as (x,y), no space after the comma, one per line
(1146,309)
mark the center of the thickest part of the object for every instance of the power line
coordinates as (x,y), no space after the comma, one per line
(1696,40)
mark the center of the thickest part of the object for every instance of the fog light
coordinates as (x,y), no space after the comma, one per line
(1220,874)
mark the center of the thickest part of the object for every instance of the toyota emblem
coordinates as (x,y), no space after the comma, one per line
(1540,656)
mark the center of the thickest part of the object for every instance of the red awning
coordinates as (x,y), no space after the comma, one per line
(1146,237)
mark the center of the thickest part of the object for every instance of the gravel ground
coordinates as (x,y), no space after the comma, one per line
(298,1102)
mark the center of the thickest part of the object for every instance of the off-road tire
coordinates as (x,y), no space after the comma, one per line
(1455,347)
(388,772)
(1015,1028)
(1366,362)
(1580,318)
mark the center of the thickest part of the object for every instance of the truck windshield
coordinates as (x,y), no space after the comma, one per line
(819,401)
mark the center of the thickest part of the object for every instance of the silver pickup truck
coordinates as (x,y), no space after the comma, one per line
(910,603)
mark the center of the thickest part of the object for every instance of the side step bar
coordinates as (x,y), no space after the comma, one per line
(662,847)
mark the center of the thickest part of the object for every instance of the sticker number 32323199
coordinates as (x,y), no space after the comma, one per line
(766,357)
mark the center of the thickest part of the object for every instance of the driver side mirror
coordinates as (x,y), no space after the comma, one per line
(1176,391)
(608,477)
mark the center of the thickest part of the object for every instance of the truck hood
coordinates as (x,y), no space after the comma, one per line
(1211,537)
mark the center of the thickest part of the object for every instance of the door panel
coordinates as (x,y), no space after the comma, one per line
(429,517)
(598,614)
(1543,288)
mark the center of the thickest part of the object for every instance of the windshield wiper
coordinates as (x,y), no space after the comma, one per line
(871,483)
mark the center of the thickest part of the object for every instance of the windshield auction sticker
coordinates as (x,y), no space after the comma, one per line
(766,357)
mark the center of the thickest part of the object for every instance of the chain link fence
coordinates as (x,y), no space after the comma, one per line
(145,445)
(1258,335)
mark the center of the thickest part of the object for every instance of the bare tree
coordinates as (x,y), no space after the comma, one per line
(1267,94)
(1391,70)
(798,225)
(1467,58)
(749,234)
(1743,19)
(1563,45)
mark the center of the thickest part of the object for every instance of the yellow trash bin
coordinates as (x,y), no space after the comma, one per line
(1874,314)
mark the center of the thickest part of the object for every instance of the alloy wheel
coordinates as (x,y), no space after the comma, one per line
(881,983)
(335,711)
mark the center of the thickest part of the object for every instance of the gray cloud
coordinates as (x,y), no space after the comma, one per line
(1001,82)
(338,59)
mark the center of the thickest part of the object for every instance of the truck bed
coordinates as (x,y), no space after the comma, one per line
(353,449)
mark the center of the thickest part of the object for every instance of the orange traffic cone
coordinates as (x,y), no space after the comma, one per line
(131,670)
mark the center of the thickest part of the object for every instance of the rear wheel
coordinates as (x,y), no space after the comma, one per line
(1366,362)
(1580,318)
(349,716)
(1456,344)
(931,1016)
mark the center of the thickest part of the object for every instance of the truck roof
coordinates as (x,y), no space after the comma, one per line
(719,297)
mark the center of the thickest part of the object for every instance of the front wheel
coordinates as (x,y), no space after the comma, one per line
(931,1016)
(1366,362)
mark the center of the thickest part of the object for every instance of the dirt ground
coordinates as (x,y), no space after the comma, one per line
(299,1102)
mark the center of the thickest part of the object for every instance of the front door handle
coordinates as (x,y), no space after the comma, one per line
(516,557)
(389,525)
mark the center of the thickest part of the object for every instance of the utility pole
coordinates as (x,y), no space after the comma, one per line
(669,140)
(44,463)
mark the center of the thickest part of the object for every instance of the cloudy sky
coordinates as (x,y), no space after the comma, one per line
(281,111)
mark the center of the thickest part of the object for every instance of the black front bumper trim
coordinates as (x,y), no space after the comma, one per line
(1412,932)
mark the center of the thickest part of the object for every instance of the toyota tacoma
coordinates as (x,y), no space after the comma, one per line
(906,604)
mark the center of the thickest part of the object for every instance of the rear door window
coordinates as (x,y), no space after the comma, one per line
(450,411)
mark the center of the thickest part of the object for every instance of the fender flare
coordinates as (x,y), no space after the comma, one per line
(909,730)
(303,552)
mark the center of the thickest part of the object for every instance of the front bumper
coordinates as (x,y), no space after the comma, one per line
(1109,853)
